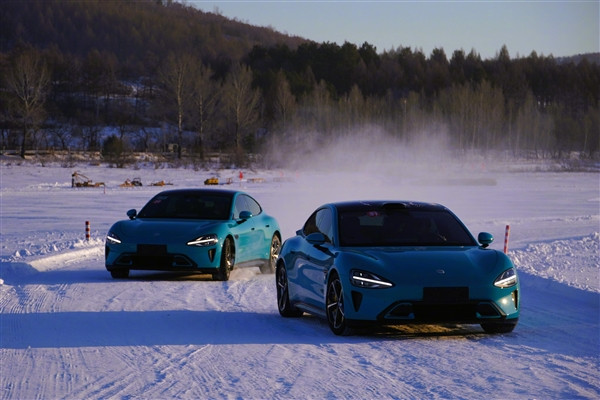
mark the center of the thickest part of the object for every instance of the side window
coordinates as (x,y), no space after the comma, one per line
(245,203)
(320,221)
(325,223)
(252,205)
(240,205)
(311,225)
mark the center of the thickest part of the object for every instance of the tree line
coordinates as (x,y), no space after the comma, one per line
(168,77)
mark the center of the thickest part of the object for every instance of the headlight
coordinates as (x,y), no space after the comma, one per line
(368,280)
(506,279)
(203,241)
(112,238)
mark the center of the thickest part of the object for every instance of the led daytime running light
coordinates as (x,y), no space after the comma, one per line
(371,281)
(202,241)
(507,279)
(112,238)
(368,280)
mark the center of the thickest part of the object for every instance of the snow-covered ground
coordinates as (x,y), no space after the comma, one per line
(68,330)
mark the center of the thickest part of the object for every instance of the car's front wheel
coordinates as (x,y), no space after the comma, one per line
(227,261)
(335,307)
(283,295)
(269,266)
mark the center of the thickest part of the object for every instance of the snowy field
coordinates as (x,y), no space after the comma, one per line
(67,330)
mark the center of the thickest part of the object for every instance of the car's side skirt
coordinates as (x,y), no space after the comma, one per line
(310,309)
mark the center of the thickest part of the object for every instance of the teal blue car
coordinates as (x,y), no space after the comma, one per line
(204,231)
(395,262)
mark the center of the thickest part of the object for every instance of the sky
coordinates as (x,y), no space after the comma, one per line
(558,28)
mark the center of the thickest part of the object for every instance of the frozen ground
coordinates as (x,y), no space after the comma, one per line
(67,330)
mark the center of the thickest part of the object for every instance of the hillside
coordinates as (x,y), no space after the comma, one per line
(136,32)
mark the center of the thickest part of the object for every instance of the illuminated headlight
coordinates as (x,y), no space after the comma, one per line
(203,241)
(112,238)
(506,279)
(368,280)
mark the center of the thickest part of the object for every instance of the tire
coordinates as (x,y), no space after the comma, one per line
(227,261)
(119,273)
(269,266)
(498,328)
(283,296)
(334,307)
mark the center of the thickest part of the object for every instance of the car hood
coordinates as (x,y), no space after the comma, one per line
(437,266)
(152,231)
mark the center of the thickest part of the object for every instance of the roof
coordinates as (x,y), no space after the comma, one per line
(391,204)
(224,192)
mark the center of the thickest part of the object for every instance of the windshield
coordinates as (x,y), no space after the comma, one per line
(401,227)
(188,205)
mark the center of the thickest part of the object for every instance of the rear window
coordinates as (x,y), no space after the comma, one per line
(188,205)
(402,227)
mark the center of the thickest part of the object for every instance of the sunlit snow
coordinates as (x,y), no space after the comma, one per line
(68,330)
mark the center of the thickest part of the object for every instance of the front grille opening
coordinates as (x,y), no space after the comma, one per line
(168,261)
(402,310)
(180,261)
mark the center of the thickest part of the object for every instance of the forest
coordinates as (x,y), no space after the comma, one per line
(165,77)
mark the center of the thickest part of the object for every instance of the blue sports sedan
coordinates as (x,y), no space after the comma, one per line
(395,262)
(206,231)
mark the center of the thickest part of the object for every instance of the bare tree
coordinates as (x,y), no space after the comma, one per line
(205,102)
(285,102)
(27,79)
(241,101)
(176,77)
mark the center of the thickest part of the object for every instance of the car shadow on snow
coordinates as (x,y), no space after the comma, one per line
(555,318)
(153,328)
(421,331)
(19,273)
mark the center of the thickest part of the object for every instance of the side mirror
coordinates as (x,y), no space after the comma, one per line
(244,215)
(485,239)
(316,238)
(132,213)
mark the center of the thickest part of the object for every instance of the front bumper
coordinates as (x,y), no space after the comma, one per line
(162,258)
(433,305)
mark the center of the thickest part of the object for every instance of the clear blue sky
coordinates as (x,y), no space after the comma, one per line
(560,28)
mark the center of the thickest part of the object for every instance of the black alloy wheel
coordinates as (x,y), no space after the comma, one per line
(227,261)
(283,296)
(269,266)
(335,307)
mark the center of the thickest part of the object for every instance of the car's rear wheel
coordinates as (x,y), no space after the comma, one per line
(498,327)
(283,295)
(119,273)
(269,266)
(334,305)
(227,261)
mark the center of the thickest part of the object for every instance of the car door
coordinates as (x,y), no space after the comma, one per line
(261,233)
(245,234)
(314,262)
